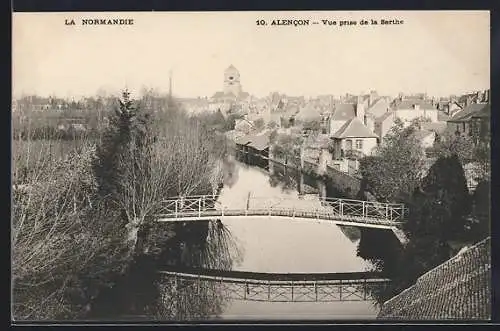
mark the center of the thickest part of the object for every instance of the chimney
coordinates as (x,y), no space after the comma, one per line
(360,112)
(370,123)
(468,100)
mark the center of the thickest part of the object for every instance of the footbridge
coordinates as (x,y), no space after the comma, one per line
(351,212)
(274,287)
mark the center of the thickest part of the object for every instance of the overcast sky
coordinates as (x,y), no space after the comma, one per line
(434,52)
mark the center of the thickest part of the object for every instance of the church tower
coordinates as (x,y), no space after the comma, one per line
(232,81)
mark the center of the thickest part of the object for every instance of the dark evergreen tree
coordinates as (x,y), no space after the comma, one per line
(448,200)
(124,145)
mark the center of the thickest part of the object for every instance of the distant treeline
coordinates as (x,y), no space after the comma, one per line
(52,132)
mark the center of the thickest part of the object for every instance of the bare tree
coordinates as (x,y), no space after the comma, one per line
(53,238)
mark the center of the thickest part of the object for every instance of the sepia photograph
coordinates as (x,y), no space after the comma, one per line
(251,165)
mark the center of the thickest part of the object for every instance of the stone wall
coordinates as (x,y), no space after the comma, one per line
(344,182)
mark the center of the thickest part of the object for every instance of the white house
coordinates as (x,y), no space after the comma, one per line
(409,109)
(355,137)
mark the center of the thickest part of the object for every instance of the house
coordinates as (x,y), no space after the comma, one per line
(480,125)
(308,115)
(383,124)
(342,113)
(76,124)
(460,124)
(285,117)
(410,109)
(459,288)
(379,108)
(353,139)
(254,148)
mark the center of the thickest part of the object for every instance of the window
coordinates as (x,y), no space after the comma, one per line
(359,144)
(348,144)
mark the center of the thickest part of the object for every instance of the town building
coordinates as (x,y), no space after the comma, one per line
(342,113)
(468,120)
(308,116)
(383,124)
(352,139)
(409,109)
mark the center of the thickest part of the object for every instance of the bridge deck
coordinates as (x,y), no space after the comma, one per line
(280,277)
(275,287)
(338,211)
(210,214)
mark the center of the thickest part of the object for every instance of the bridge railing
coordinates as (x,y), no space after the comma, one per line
(278,290)
(324,208)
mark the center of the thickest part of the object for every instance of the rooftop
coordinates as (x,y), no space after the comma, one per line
(409,104)
(258,141)
(308,113)
(379,108)
(354,128)
(459,288)
(483,113)
(469,111)
(344,111)
(384,116)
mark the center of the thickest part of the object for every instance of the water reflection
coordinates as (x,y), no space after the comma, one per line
(247,244)
(186,299)
(284,246)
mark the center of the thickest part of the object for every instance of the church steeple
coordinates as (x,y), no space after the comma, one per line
(232,81)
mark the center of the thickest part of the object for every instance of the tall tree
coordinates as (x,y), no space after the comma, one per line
(450,144)
(396,168)
(442,205)
(128,168)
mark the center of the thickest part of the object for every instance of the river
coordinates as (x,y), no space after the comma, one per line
(275,245)
(270,245)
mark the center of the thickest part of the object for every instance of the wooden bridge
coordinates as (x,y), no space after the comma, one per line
(272,287)
(331,210)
